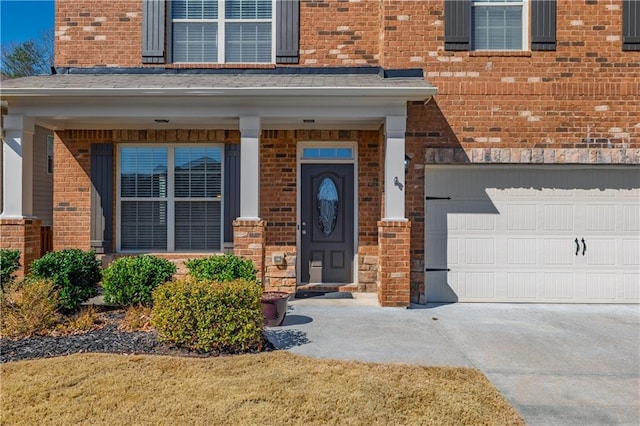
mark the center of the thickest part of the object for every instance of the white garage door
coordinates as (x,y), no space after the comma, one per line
(524,234)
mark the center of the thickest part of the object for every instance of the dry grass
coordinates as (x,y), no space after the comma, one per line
(86,319)
(269,388)
(28,308)
(136,318)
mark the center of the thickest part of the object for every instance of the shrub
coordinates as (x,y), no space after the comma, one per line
(75,273)
(29,307)
(209,316)
(131,280)
(86,319)
(9,263)
(227,267)
(136,318)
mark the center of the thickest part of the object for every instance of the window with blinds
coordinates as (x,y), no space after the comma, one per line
(170,198)
(222,31)
(498,25)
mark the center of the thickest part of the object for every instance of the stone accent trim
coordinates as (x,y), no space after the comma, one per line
(249,242)
(532,155)
(394,270)
(23,235)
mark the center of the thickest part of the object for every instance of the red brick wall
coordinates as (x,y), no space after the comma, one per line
(394,267)
(72,187)
(339,33)
(98,33)
(584,94)
(23,235)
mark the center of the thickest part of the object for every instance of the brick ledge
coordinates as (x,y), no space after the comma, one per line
(532,156)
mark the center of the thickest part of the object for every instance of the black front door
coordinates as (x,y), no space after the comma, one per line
(326,223)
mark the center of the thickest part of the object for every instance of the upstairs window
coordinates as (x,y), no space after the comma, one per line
(498,25)
(222,31)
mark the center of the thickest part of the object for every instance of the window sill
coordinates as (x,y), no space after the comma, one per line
(500,53)
(201,65)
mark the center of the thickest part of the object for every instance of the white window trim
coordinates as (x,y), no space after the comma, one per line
(170,199)
(525,24)
(221,21)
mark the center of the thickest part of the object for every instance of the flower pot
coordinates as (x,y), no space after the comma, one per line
(274,307)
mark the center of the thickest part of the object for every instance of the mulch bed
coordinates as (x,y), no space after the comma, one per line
(107,339)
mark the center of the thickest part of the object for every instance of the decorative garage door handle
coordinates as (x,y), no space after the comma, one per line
(584,246)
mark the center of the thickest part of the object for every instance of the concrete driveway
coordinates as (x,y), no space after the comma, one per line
(556,364)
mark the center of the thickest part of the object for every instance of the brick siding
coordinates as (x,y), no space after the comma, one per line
(577,104)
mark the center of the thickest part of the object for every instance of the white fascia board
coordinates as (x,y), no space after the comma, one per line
(407,93)
(207,107)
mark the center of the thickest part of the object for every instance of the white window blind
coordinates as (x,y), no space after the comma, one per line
(219,31)
(498,25)
(143,191)
(170,198)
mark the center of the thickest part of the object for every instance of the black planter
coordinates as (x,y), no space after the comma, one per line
(274,307)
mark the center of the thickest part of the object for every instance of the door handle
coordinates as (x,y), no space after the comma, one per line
(584,247)
(577,246)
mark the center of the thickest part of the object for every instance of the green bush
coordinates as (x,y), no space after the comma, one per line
(28,307)
(75,273)
(209,316)
(227,267)
(131,280)
(9,263)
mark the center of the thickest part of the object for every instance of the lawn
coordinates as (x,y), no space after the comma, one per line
(268,388)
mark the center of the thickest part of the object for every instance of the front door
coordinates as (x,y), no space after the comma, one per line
(326,223)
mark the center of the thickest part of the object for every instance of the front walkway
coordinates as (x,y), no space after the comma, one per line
(557,364)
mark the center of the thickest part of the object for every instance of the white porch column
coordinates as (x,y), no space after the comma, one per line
(394,188)
(249,168)
(17,166)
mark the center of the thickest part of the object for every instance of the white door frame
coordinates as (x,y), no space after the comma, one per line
(354,160)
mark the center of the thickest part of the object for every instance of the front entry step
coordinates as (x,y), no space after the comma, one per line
(327,288)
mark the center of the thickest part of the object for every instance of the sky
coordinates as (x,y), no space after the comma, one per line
(22,20)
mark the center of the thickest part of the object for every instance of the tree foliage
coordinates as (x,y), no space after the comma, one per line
(31,57)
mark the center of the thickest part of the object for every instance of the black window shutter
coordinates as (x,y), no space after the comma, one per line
(287,31)
(457,25)
(543,25)
(231,188)
(101,197)
(153,33)
(631,25)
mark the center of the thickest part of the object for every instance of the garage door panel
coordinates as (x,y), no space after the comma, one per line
(631,218)
(631,286)
(558,217)
(558,251)
(601,286)
(479,285)
(509,234)
(600,217)
(558,286)
(630,252)
(522,251)
(601,251)
(521,217)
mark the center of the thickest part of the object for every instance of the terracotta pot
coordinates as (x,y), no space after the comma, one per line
(274,307)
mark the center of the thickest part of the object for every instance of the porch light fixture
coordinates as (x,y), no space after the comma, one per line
(407,161)
(161,120)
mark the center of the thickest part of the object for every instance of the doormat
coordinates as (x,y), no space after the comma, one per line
(302,294)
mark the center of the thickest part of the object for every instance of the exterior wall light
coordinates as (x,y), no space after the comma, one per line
(407,161)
